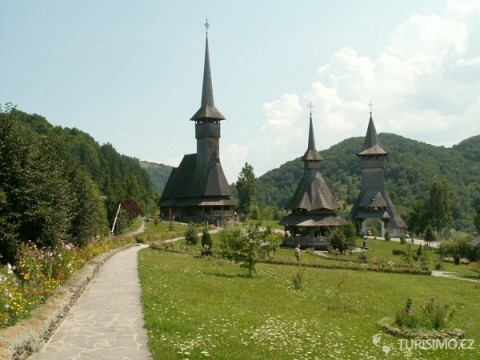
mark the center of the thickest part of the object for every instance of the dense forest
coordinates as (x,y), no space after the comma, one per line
(58,185)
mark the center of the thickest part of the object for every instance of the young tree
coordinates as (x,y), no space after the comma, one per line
(191,236)
(245,185)
(417,218)
(206,238)
(248,245)
(341,238)
(440,207)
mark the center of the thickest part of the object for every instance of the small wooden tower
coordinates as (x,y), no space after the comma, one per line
(373,201)
(198,190)
(312,205)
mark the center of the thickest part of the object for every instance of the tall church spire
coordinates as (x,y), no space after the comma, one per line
(311,154)
(207,109)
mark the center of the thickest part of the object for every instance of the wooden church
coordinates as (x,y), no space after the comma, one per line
(373,201)
(197,190)
(312,206)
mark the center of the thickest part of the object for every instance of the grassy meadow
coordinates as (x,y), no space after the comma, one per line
(198,308)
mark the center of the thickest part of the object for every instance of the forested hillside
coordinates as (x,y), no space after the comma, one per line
(411,169)
(159,174)
(59,185)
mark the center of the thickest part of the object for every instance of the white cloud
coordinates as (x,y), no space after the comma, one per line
(428,43)
(281,128)
(425,85)
(236,156)
(463,7)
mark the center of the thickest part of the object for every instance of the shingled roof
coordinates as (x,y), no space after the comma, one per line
(184,183)
(312,191)
(371,145)
(207,109)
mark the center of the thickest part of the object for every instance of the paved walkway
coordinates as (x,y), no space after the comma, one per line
(107,320)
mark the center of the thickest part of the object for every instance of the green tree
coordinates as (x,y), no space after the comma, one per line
(45,196)
(477,219)
(245,186)
(439,207)
(37,201)
(342,238)
(89,216)
(417,219)
(249,244)
(429,235)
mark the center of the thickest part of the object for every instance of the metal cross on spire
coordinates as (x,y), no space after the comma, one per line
(207,25)
(310,105)
(371,105)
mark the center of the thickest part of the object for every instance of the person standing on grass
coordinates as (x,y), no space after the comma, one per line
(297,252)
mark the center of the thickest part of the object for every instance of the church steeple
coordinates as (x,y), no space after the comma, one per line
(207,109)
(373,201)
(371,145)
(312,193)
(311,154)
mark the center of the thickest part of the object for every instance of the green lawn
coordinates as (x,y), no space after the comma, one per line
(202,307)
(163,230)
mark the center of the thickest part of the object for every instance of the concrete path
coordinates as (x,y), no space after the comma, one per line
(451,275)
(107,320)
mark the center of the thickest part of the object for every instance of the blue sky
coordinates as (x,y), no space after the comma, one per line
(130,72)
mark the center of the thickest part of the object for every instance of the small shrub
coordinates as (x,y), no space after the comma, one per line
(206,238)
(433,316)
(298,279)
(419,251)
(409,255)
(191,234)
(457,260)
(398,252)
(438,265)
(436,316)
(362,257)
(407,317)
(403,241)
(387,236)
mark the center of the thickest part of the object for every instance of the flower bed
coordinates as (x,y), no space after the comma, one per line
(39,273)
(29,335)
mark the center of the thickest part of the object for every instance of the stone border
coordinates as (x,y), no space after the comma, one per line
(386,325)
(30,335)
